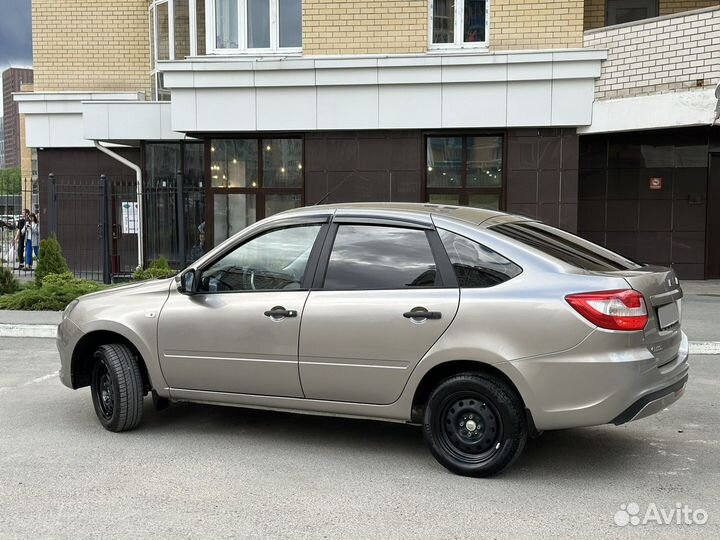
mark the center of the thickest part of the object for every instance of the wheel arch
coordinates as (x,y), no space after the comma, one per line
(83,356)
(445,370)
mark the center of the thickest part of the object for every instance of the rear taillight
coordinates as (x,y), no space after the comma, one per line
(613,310)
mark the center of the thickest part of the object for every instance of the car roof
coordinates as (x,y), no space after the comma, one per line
(475,216)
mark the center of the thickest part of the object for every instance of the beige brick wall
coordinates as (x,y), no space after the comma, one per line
(668,55)
(669,7)
(91,45)
(364,26)
(594,14)
(519,24)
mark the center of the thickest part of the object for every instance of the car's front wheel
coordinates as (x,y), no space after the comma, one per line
(475,424)
(117,388)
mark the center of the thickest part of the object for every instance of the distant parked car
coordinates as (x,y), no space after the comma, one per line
(483,327)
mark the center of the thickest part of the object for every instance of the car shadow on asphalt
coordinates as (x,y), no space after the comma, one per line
(601,452)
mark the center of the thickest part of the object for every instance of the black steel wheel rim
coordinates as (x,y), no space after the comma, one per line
(469,427)
(104,392)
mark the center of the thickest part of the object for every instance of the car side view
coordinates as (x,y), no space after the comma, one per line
(483,327)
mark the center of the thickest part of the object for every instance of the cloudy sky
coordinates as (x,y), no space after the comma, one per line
(15,35)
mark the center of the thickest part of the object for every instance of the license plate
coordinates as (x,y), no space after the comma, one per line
(668,315)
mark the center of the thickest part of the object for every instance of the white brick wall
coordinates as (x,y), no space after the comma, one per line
(666,54)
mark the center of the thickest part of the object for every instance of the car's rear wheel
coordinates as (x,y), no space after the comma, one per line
(474,424)
(117,388)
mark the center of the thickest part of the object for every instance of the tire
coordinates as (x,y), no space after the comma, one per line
(117,389)
(475,425)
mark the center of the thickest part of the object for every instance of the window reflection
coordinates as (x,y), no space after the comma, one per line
(234,163)
(375,257)
(282,162)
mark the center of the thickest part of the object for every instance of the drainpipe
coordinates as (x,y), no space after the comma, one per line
(138,176)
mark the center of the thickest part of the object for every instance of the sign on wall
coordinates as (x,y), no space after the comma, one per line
(655,182)
(130,217)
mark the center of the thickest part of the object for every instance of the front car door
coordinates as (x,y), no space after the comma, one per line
(359,341)
(239,332)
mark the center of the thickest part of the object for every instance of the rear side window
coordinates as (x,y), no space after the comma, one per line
(565,247)
(377,257)
(475,265)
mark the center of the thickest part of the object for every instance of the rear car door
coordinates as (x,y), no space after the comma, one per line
(359,339)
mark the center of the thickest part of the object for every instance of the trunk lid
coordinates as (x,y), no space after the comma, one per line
(661,289)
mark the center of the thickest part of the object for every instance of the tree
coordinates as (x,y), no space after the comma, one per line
(50,260)
(10,182)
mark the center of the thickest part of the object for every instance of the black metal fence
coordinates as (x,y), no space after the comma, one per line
(95,219)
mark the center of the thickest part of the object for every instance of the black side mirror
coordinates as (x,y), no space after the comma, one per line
(186,284)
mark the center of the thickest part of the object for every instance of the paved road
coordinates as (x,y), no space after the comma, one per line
(211,472)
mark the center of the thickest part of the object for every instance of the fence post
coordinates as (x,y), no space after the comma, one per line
(180,205)
(105,235)
(52,205)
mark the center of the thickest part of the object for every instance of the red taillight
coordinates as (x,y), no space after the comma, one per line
(613,310)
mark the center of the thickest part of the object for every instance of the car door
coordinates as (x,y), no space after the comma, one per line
(239,331)
(359,340)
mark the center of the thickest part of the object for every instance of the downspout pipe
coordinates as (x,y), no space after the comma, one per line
(138,176)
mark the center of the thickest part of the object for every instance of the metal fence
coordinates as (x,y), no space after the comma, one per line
(16,196)
(95,219)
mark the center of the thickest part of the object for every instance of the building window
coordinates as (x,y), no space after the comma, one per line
(465,170)
(252,179)
(177,30)
(458,23)
(624,11)
(256,26)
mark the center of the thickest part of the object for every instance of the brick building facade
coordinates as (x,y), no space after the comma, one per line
(12,80)
(244,109)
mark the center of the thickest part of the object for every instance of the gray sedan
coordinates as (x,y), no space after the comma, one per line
(483,327)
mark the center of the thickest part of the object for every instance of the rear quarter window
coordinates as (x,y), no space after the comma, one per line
(475,265)
(565,247)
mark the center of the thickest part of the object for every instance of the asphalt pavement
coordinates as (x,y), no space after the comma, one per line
(195,471)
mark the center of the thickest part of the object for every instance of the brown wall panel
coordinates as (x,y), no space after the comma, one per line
(542,175)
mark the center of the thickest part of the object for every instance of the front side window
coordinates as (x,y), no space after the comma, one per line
(379,257)
(458,23)
(274,261)
(475,265)
(465,170)
(257,25)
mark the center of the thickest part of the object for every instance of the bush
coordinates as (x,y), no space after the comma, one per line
(158,269)
(55,292)
(50,260)
(8,283)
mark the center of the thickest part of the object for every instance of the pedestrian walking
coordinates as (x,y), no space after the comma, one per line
(20,237)
(32,240)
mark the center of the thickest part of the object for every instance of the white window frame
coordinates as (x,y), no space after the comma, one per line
(459,29)
(273,50)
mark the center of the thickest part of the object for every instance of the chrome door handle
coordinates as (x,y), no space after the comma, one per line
(279,312)
(422,313)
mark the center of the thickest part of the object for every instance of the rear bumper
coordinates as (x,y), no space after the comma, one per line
(609,378)
(652,403)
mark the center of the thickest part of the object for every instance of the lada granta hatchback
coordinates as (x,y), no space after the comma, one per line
(483,327)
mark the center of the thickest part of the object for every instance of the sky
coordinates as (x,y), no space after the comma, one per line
(15,35)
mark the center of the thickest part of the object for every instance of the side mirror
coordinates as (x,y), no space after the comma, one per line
(186,284)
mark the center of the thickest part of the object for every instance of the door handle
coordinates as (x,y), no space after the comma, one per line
(422,313)
(279,312)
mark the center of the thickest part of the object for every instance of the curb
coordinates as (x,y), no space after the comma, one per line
(28,330)
(50,330)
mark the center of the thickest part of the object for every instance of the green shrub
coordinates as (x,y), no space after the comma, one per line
(50,260)
(8,283)
(158,269)
(55,292)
